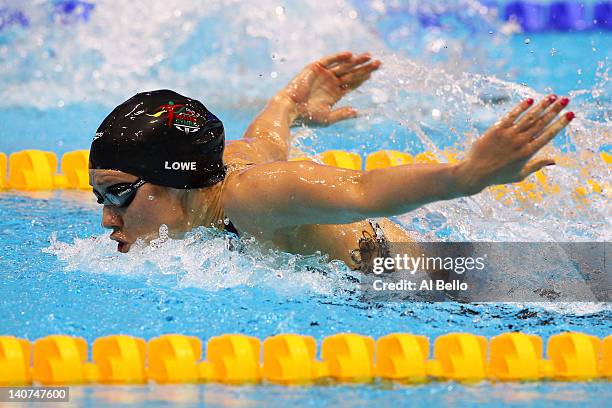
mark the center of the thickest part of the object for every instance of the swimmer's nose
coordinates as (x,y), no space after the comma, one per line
(110,218)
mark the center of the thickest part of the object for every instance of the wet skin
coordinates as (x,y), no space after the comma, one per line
(303,206)
(151,207)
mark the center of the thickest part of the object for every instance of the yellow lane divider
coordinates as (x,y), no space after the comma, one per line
(32,170)
(61,360)
(173,359)
(402,356)
(292,359)
(120,359)
(232,359)
(3,161)
(75,169)
(387,158)
(349,357)
(340,158)
(36,170)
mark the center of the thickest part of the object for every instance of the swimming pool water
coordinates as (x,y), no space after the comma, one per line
(62,274)
(101,293)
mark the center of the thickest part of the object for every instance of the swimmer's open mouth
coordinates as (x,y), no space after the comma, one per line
(122,246)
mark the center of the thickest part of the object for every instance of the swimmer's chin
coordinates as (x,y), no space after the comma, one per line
(123,247)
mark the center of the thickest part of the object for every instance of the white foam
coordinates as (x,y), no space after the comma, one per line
(226,51)
(203,259)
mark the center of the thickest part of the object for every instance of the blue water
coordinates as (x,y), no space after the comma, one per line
(61,274)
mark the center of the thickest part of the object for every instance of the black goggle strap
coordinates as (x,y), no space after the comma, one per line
(99,196)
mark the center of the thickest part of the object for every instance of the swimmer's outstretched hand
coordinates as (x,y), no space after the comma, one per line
(503,153)
(320,85)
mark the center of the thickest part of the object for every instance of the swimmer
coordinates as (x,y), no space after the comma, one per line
(161,158)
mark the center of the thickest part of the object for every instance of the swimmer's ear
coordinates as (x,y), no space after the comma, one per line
(343,113)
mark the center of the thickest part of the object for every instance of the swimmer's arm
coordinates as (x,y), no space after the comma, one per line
(309,98)
(295,193)
(267,137)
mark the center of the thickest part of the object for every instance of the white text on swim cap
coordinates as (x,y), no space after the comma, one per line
(180,166)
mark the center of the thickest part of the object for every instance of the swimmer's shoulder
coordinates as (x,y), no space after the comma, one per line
(241,151)
(232,192)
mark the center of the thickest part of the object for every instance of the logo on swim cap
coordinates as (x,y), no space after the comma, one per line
(179,116)
(164,138)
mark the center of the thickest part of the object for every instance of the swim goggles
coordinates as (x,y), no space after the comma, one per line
(120,194)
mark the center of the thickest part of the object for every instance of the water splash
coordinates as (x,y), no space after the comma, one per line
(432,93)
(211,260)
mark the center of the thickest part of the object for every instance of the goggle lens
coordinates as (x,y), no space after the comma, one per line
(120,194)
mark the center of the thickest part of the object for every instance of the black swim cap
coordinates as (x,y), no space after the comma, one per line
(164,138)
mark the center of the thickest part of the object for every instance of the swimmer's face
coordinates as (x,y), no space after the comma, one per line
(151,207)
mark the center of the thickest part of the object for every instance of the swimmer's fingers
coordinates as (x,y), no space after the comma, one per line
(354,83)
(341,114)
(346,66)
(534,166)
(509,119)
(359,75)
(336,58)
(534,115)
(549,133)
(545,119)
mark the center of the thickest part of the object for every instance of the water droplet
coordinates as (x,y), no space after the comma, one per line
(527,40)
(273,74)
